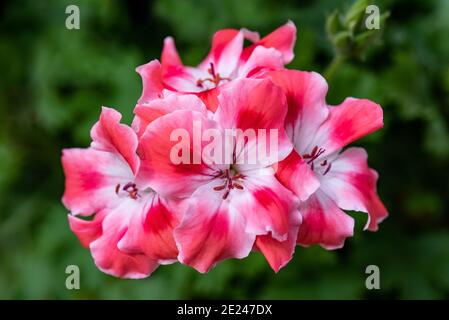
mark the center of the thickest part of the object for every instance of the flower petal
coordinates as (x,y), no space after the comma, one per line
(351,184)
(227,45)
(323,223)
(266,204)
(306,101)
(86,231)
(151,74)
(147,113)
(150,231)
(261,59)
(295,174)
(282,39)
(212,230)
(175,75)
(91,177)
(253,104)
(347,122)
(108,134)
(171,136)
(210,98)
(170,57)
(107,256)
(278,253)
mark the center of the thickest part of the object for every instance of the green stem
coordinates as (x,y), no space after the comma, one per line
(333,67)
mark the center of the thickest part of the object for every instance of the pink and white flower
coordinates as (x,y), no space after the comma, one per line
(135,207)
(232,207)
(131,232)
(226,61)
(342,180)
(170,102)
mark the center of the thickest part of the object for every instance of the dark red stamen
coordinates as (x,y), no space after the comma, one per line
(215,77)
(229,183)
(327,169)
(315,154)
(238,186)
(218,188)
(211,70)
(130,188)
(129,185)
(237,176)
(199,83)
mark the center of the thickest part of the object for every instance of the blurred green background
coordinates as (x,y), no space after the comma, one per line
(53,82)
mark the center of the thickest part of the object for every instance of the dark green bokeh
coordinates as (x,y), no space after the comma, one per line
(53,82)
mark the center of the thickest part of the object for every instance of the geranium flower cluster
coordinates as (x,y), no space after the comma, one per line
(154,195)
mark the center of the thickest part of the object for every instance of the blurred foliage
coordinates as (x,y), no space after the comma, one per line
(53,82)
(349,34)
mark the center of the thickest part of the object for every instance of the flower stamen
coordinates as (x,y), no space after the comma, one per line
(215,77)
(129,188)
(327,169)
(315,154)
(229,183)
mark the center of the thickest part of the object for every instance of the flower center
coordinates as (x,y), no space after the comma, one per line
(231,181)
(215,78)
(129,189)
(311,157)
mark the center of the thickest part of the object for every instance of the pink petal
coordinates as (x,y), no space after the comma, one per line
(252,36)
(347,122)
(282,39)
(266,204)
(86,231)
(108,134)
(212,230)
(102,235)
(175,75)
(91,177)
(151,74)
(255,104)
(261,59)
(278,253)
(306,100)
(352,185)
(147,113)
(109,259)
(165,176)
(295,174)
(227,45)
(170,56)
(323,223)
(150,231)
(210,98)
